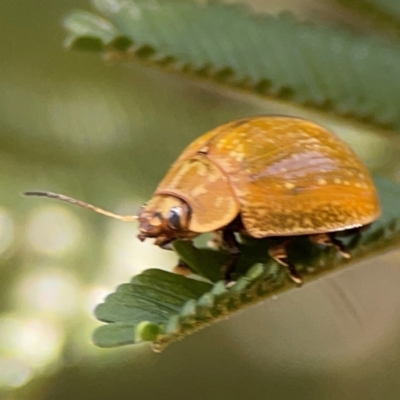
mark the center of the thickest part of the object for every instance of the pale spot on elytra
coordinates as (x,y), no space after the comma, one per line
(321,181)
(232,154)
(237,155)
(289,185)
(307,222)
(219,201)
(198,190)
(213,177)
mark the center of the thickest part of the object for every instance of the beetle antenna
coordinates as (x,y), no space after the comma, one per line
(126,218)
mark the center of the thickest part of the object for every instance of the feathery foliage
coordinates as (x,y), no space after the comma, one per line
(277,56)
(162,307)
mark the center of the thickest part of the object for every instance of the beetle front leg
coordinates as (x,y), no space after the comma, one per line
(231,244)
(279,254)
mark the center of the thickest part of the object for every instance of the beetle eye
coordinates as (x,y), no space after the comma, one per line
(174,218)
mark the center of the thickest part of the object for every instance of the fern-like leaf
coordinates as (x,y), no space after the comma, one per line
(162,307)
(325,67)
(383,13)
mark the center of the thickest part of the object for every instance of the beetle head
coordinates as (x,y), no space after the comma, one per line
(165,218)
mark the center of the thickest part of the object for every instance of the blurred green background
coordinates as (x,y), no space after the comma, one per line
(106,133)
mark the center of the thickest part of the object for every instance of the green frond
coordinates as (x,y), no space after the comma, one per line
(318,66)
(385,14)
(162,307)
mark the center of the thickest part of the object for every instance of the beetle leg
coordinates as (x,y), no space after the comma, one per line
(327,239)
(230,242)
(279,254)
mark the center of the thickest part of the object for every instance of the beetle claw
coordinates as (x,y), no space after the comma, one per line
(327,239)
(279,254)
(295,277)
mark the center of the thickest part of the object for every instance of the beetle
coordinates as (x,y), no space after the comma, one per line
(263,176)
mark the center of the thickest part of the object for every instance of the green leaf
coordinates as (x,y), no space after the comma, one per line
(203,262)
(321,66)
(384,13)
(90,32)
(162,307)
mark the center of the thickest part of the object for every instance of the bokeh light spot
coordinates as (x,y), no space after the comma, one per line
(14,372)
(38,341)
(48,290)
(53,230)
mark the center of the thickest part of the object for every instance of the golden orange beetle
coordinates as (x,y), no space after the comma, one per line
(267,176)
